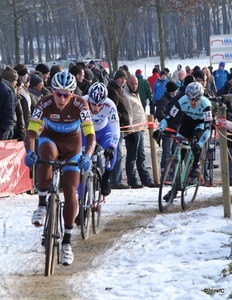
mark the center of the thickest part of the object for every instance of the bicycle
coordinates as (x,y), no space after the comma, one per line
(176,176)
(53,231)
(91,199)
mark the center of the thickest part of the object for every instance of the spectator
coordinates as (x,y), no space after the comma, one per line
(227,88)
(210,83)
(196,68)
(115,93)
(188,70)
(180,81)
(98,77)
(211,69)
(23,101)
(220,75)
(10,77)
(44,69)
(169,77)
(175,73)
(125,67)
(105,75)
(79,74)
(36,86)
(7,111)
(152,79)
(159,89)
(135,139)
(168,144)
(54,69)
(144,89)
(87,81)
(158,68)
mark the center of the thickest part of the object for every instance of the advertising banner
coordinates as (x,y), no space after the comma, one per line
(220,48)
(14,175)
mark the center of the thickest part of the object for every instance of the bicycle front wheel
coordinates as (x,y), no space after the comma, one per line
(167,189)
(96,209)
(85,205)
(50,236)
(189,192)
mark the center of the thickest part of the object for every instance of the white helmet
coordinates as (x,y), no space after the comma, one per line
(194,91)
(64,81)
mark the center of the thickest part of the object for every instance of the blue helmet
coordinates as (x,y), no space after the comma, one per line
(97,93)
(64,81)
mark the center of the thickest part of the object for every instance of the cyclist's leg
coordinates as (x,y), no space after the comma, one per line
(104,138)
(47,150)
(71,179)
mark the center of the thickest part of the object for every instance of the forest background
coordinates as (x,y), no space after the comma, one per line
(42,30)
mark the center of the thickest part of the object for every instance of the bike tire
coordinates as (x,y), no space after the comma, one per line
(189,192)
(50,236)
(96,208)
(85,205)
(167,184)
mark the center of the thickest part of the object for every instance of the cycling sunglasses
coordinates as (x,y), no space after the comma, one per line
(65,95)
(195,100)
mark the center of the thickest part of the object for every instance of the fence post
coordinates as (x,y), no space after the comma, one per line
(154,159)
(221,116)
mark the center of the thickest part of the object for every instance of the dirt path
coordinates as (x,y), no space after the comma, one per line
(36,286)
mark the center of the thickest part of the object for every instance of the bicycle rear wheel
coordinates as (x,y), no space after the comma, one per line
(85,205)
(96,209)
(50,236)
(189,192)
(167,189)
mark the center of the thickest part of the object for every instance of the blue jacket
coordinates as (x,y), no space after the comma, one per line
(159,89)
(220,77)
(7,109)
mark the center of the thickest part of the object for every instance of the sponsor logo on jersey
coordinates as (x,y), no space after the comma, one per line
(54,117)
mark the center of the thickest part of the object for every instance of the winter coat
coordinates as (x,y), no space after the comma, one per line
(144,90)
(159,89)
(152,79)
(115,93)
(220,77)
(7,109)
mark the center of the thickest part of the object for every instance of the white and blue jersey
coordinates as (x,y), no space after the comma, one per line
(196,119)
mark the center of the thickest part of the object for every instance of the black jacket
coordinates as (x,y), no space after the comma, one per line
(7,109)
(115,93)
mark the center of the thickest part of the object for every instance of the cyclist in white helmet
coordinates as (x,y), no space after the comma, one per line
(107,129)
(197,117)
(63,115)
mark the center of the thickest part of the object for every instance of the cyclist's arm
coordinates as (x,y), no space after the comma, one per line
(88,130)
(114,125)
(207,115)
(33,128)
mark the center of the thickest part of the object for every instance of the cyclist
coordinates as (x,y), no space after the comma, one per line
(107,128)
(196,120)
(62,114)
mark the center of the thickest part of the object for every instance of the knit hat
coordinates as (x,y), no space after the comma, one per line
(137,72)
(21,69)
(9,74)
(44,69)
(199,74)
(92,62)
(88,74)
(171,86)
(188,79)
(229,77)
(35,80)
(119,74)
(222,64)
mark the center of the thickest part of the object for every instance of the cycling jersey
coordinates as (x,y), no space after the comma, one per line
(199,117)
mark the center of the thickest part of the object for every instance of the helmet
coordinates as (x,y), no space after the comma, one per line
(97,93)
(194,90)
(64,81)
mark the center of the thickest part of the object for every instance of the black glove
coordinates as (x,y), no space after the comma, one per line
(131,137)
(109,153)
(157,135)
(196,149)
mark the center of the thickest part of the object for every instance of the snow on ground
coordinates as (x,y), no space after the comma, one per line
(178,256)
